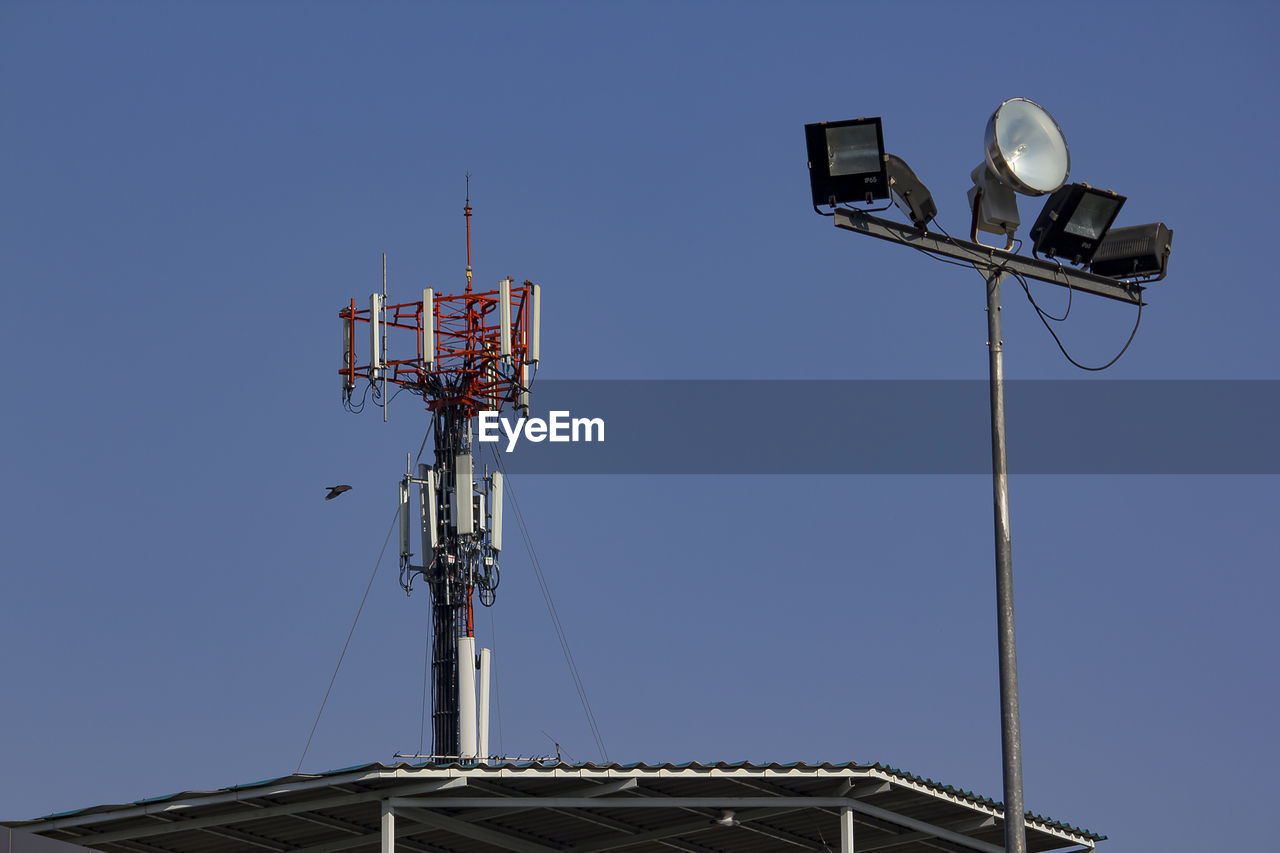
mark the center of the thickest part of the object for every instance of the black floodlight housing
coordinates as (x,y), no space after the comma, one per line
(909,192)
(1074,221)
(846,161)
(1138,251)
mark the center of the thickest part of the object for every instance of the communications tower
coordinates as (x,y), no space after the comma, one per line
(463,354)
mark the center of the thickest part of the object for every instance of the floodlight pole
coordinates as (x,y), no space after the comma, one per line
(1015,838)
(995,266)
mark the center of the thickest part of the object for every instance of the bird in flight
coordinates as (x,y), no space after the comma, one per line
(334,491)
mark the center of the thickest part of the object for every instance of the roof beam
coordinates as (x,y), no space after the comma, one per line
(658,802)
(668,832)
(970,825)
(167,826)
(699,803)
(599,789)
(133,847)
(477,833)
(373,838)
(246,838)
(779,835)
(332,823)
(927,828)
(871,790)
(233,795)
(687,846)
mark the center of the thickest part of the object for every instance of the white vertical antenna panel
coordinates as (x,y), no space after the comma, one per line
(535,321)
(405,550)
(427,510)
(495,507)
(504,315)
(463,486)
(479,508)
(428,327)
(375,334)
(524,389)
(467,698)
(482,715)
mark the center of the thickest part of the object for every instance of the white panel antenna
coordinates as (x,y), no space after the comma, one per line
(483,710)
(523,404)
(495,508)
(535,320)
(428,327)
(467,698)
(504,315)
(375,335)
(427,509)
(463,486)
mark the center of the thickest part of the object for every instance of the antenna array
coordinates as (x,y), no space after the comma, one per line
(463,354)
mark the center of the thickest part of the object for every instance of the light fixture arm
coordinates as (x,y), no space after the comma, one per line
(987,258)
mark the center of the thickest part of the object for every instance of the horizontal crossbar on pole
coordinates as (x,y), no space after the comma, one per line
(987,258)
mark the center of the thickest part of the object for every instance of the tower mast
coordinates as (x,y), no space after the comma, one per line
(474,352)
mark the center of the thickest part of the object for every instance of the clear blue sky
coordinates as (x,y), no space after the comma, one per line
(188,193)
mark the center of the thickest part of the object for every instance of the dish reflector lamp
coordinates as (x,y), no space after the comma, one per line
(1138,251)
(846,161)
(1074,222)
(1026,149)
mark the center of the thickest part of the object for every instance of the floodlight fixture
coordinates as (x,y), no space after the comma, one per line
(1135,252)
(1025,147)
(909,192)
(994,206)
(846,161)
(1074,222)
(1026,153)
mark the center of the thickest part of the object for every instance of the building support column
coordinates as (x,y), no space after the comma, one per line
(846,829)
(388,828)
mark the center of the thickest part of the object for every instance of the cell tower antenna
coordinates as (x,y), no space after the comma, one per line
(464,354)
(466,212)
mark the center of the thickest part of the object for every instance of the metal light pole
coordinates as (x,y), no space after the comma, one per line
(995,266)
(1015,838)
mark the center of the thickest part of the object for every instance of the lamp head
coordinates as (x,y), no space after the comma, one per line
(993,203)
(1025,147)
(909,192)
(846,161)
(1074,222)
(1135,252)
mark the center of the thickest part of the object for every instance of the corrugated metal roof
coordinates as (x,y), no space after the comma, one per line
(533,807)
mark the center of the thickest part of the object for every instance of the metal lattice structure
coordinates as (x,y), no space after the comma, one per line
(463,354)
(457,360)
